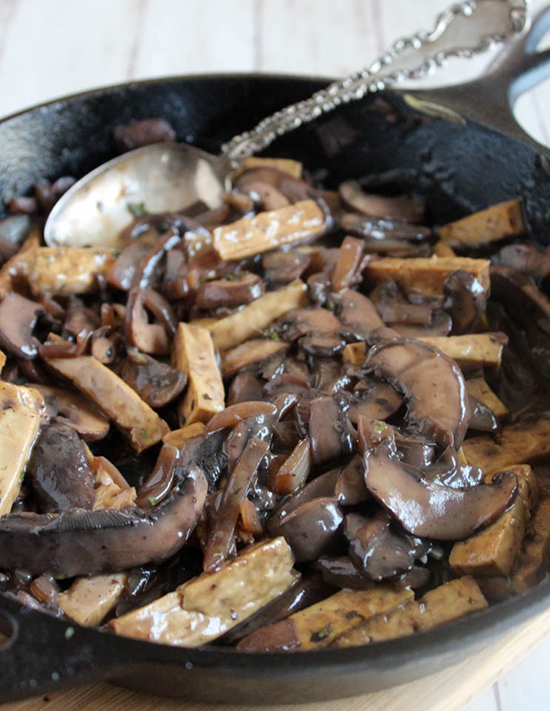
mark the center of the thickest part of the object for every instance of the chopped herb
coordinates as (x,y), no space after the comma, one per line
(69,632)
(329,304)
(321,634)
(235,277)
(22,475)
(379,427)
(273,335)
(143,433)
(116,252)
(352,195)
(137,209)
(153,500)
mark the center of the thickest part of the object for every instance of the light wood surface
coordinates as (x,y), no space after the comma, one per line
(49,48)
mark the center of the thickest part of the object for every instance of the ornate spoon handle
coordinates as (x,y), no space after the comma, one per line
(463,30)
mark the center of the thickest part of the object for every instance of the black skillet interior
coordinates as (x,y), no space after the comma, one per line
(459,166)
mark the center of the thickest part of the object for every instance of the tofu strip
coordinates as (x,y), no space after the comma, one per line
(210,605)
(62,271)
(269,230)
(20,410)
(445,603)
(251,320)
(114,397)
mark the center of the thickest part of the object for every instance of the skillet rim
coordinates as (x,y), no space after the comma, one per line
(470,631)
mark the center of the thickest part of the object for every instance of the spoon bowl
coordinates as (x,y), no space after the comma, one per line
(164,177)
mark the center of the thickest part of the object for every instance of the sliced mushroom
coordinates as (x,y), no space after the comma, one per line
(423,508)
(482,418)
(60,472)
(158,484)
(307,322)
(81,542)
(147,337)
(527,258)
(70,409)
(384,230)
(347,271)
(18,317)
(229,292)
(342,572)
(245,387)
(377,549)
(294,471)
(292,188)
(392,305)
(329,436)
(142,133)
(437,400)
(440,325)
(379,401)
(359,316)
(465,301)
(313,529)
(401,208)
(284,267)
(350,488)
(156,383)
(14,230)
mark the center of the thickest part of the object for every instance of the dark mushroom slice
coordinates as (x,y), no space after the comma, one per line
(293,473)
(267,196)
(221,537)
(307,322)
(321,346)
(350,488)
(423,508)
(401,207)
(393,306)
(302,594)
(244,387)
(433,385)
(234,414)
(281,268)
(383,230)
(379,401)
(81,542)
(18,317)
(342,572)
(106,345)
(440,325)
(417,452)
(377,549)
(59,471)
(448,471)
(528,258)
(482,417)
(14,230)
(465,301)
(157,384)
(158,484)
(229,292)
(133,135)
(121,275)
(74,411)
(417,577)
(347,271)
(328,432)
(145,336)
(359,316)
(313,529)
(294,189)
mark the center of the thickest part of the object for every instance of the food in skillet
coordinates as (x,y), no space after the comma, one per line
(303,419)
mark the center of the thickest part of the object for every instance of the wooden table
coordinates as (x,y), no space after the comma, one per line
(53,47)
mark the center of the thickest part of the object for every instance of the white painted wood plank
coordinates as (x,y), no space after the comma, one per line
(61,46)
(484,702)
(526,685)
(320,37)
(196,36)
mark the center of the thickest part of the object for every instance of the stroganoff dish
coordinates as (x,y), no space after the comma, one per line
(308,418)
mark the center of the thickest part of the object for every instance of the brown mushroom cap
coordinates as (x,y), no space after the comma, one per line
(433,384)
(18,317)
(156,383)
(73,410)
(423,508)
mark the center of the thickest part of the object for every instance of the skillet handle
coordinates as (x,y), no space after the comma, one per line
(490,99)
(45,654)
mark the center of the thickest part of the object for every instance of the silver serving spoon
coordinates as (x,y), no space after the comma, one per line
(168,177)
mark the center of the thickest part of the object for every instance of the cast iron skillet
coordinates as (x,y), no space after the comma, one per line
(460,165)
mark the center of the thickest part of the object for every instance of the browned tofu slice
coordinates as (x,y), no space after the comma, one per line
(2,360)
(248,353)
(448,602)
(210,605)
(285,165)
(194,355)
(478,388)
(522,442)
(17,268)
(114,397)
(319,625)
(89,600)
(532,560)
(251,320)
(20,410)
(177,438)
(109,494)
(425,274)
(472,348)
(269,230)
(494,223)
(62,271)
(494,550)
